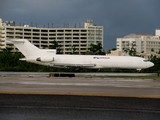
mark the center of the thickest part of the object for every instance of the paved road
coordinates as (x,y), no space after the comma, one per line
(81,86)
(78,98)
(55,107)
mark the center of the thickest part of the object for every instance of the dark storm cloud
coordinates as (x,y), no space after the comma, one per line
(119,17)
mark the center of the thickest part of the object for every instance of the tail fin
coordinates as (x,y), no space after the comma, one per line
(25,47)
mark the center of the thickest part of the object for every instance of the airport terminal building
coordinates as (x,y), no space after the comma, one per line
(142,42)
(68,39)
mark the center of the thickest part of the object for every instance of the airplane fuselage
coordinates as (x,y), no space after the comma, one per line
(95,61)
(49,57)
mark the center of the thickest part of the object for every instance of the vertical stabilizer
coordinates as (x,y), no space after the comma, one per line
(25,47)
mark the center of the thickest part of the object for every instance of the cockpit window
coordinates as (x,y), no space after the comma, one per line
(145,60)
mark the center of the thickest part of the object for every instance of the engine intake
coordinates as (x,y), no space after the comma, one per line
(40,59)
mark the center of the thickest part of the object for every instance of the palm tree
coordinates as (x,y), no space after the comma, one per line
(56,46)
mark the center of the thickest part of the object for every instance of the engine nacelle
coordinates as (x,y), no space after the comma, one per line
(40,59)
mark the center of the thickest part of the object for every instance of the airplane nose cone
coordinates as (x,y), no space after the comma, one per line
(151,64)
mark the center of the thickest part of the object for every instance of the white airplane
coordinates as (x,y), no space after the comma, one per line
(48,57)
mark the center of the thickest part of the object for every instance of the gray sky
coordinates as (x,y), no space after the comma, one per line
(119,17)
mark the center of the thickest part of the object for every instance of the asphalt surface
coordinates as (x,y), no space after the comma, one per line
(78,98)
(81,86)
(49,107)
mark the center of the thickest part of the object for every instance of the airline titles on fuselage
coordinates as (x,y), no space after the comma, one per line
(101,57)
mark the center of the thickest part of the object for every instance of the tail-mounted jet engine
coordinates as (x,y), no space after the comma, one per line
(40,59)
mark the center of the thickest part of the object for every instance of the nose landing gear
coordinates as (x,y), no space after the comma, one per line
(138,70)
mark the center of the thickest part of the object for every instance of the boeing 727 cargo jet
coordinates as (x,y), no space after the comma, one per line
(48,57)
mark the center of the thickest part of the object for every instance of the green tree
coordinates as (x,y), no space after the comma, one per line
(56,46)
(109,51)
(131,51)
(74,50)
(96,49)
(125,50)
(152,50)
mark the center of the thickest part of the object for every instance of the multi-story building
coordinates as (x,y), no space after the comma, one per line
(68,38)
(142,43)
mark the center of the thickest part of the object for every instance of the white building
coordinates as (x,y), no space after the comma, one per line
(142,43)
(67,38)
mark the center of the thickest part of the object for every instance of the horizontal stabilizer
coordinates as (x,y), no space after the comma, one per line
(22,59)
(15,41)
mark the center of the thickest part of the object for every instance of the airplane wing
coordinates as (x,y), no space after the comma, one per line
(72,65)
